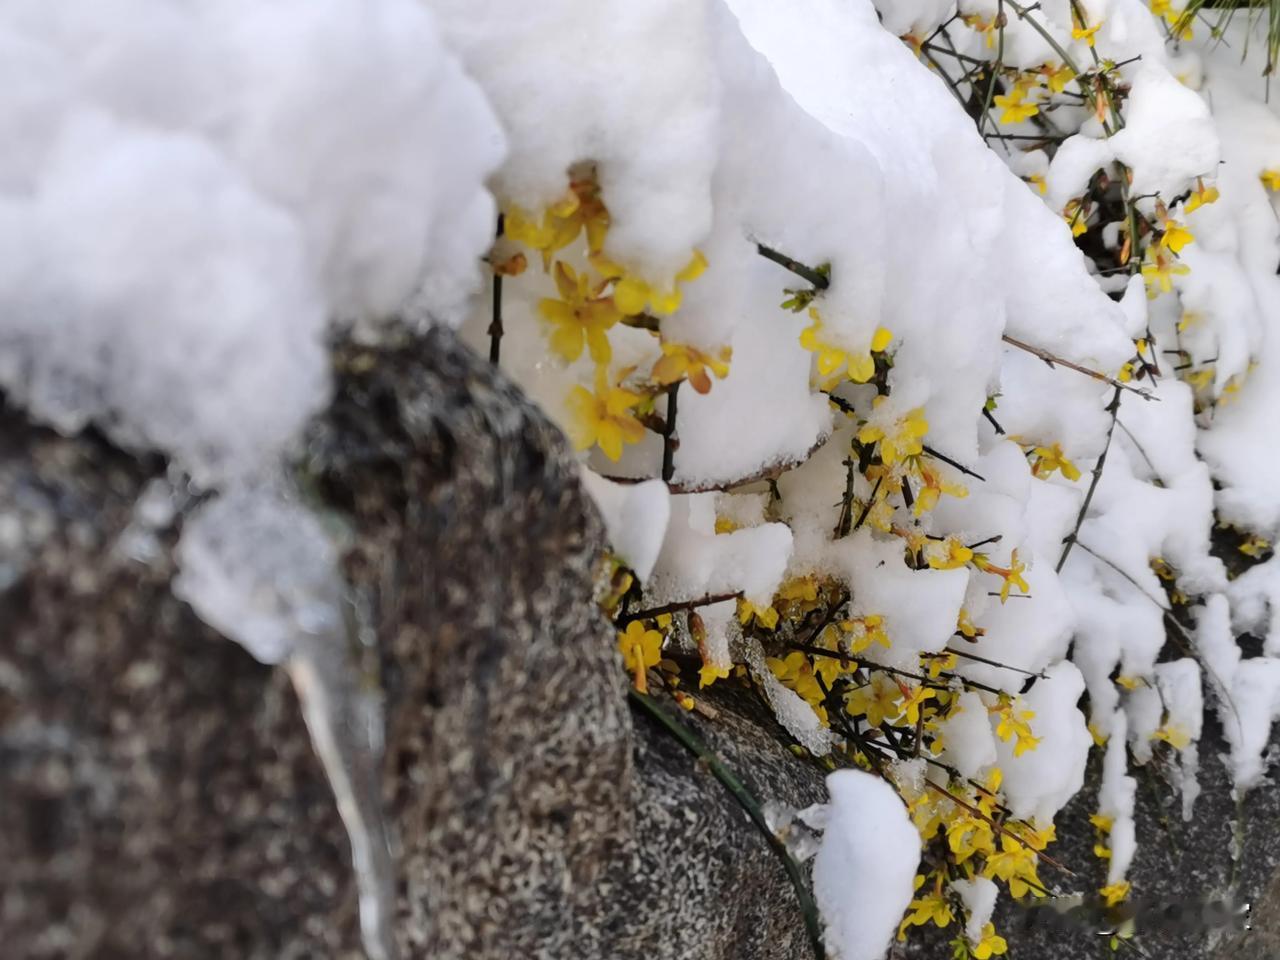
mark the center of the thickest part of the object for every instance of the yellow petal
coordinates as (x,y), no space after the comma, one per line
(630,296)
(861,369)
(693,269)
(881,340)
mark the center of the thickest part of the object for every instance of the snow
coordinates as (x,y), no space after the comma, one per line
(186,204)
(1169,137)
(862,879)
(1040,782)
(635,516)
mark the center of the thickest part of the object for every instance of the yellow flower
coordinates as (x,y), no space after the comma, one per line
(1255,546)
(968,835)
(949,554)
(1174,735)
(1270,178)
(900,441)
(641,649)
(1015,863)
(990,944)
(862,633)
(1059,78)
(1081,32)
(1015,107)
(1037,180)
(681,360)
(604,417)
(1015,723)
(876,700)
(932,907)
(1076,216)
(580,209)
(913,702)
(939,662)
(766,617)
(832,360)
(1012,574)
(580,315)
(1201,196)
(1049,459)
(1102,821)
(934,486)
(1175,236)
(983,26)
(632,294)
(709,673)
(966,627)
(1115,892)
(1129,683)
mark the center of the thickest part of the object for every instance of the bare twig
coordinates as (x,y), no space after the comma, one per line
(677,606)
(1069,541)
(817,278)
(1053,360)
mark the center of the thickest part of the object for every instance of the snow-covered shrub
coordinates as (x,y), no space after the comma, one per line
(914,349)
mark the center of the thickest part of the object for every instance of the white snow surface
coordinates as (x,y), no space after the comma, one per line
(862,878)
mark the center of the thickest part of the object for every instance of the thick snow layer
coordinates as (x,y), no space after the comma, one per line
(189,196)
(1040,782)
(635,516)
(863,878)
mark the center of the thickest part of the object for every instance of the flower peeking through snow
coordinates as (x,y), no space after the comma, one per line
(913,700)
(604,417)
(1015,107)
(1049,459)
(1015,864)
(1174,735)
(765,617)
(990,943)
(633,294)
(932,907)
(1175,236)
(934,486)
(1201,196)
(1014,723)
(832,360)
(1270,178)
(948,554)
(898,440)
(581,209)
(581,315)
(680,360)
(1114,893)
(1012,574)
(1077,216)
(877,700)
(641,649)
(1159,270)
(1081,32)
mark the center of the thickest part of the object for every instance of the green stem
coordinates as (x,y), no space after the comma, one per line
(694,744)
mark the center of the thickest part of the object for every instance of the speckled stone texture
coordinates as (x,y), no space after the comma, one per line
(158,793)
(534,816)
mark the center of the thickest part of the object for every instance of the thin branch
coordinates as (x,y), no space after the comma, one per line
(495,324)
(817,278)
(1053,360)
(677,606)
(1068,542)
(959,466)
(992,663)
(669,442)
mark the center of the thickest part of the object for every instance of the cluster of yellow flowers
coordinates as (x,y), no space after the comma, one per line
(592,300)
